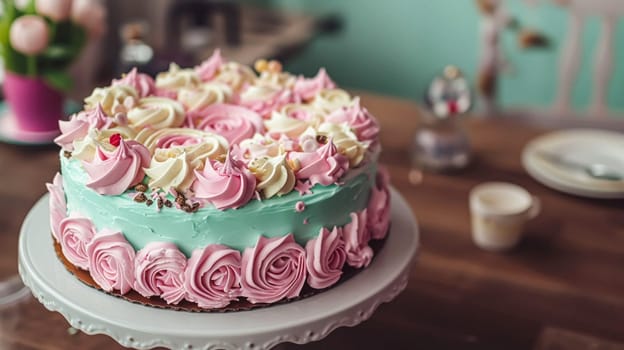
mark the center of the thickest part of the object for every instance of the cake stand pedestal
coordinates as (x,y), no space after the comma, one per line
(143,327)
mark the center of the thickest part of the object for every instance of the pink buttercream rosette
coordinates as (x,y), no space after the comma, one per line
(235,123)
(79,124)
(142,83)
(364,124)
(275,269)
(208,69)
(76,233)
(57,204)
(379,206)
(356,237)
(325,258)
(225,185)
(265,107)
(323,166)
(212,276)
(169,141)
(159,271)
(112,173)
(111,261)
(306,89)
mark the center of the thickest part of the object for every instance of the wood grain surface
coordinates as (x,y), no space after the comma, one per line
(562,288)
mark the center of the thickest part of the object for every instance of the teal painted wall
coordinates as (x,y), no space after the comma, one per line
(395,46)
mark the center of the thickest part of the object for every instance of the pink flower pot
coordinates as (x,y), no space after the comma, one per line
(34,104)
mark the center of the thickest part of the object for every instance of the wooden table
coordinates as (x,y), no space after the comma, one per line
(562,288)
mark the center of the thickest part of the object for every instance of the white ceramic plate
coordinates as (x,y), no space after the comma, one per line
(143,327)
(581,146)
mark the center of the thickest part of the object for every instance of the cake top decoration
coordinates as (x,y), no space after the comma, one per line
(220,133)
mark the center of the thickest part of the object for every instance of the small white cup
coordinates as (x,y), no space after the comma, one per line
(499,211)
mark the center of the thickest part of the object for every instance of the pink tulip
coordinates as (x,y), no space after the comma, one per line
(29,34)
(56,10)
(91,15)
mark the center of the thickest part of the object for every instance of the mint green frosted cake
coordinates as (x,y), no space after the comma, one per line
(218,183)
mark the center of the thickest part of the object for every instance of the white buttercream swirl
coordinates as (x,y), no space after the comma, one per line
(281,124)
(156,112)
(204,96)
(345,140)
(275,177)
(170,168)
(114,99)
(331,99)
(176,78)
(235,75)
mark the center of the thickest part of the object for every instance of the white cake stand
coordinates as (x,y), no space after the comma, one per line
(143,327)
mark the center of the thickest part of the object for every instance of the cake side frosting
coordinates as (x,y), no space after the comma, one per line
(214,183)
(326,206)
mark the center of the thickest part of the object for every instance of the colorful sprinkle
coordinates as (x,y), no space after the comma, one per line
(299,206)
(115,139)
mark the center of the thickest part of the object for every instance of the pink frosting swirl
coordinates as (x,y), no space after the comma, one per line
(159,270)
(142,83)
(111,261)
(235,123)
(113,172)
(326,256)
(264,106)
(163,92)
(173,140)
(78,126)
(73,129)
(225,185)
(275,269)
(208,69)
(76,233)
(356,237)
(213,276)
(324,166)
(364,124)
(97,118)
(379,206)
(57,204)
(306,89)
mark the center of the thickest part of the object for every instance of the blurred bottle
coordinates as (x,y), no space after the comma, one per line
(440,142)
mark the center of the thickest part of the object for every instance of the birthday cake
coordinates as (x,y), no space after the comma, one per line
(218,185)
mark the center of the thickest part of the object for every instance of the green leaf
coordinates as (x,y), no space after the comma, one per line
(58,79)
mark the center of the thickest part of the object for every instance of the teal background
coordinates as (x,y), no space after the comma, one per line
(395,46)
